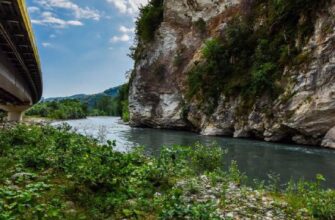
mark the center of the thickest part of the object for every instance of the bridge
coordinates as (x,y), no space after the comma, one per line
(20,70)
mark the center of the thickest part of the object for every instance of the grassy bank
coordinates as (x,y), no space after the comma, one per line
(52,173)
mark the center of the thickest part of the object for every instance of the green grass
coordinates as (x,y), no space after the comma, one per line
(53,173)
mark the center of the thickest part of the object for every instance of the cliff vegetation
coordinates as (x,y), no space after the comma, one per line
(243,68)
(250,56)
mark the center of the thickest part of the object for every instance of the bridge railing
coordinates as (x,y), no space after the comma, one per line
(26,20)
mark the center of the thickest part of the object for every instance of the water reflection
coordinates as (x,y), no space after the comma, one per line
(255,158)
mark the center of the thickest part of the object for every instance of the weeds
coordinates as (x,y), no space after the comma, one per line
(53,173)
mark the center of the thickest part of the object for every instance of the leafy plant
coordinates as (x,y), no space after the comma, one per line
(65,109)
(53,173)
(201,26)
(248,59)
(149,20)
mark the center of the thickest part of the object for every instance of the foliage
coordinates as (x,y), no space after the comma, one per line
(149,20)
(176,208)
(65,109)
(16,203)
(53,173)
(125,111)
(103,105)
(117,106)
(201,26)
(320,203)
(3,115)
(248,59)
(123,103)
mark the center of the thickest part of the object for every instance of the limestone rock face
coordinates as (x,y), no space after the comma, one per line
(304,113)
(329,140)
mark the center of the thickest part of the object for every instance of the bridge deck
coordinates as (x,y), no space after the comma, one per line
(17,44)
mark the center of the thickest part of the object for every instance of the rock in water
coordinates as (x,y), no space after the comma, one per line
(329,140)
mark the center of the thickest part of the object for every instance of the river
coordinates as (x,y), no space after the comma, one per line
(255,158)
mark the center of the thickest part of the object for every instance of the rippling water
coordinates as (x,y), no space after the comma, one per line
(255,158)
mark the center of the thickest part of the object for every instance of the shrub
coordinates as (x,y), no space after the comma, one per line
(262,79)
(123,103)
(149,20)
(125,111)
(320,203)
(213,50)
(207,78)
(64,109)
(3,115)
(248,59)
(54,173)
(201,26)
(176,208)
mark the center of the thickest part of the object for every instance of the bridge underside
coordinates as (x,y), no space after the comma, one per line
(20,73)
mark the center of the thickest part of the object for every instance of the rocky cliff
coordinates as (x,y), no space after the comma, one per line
(303,109)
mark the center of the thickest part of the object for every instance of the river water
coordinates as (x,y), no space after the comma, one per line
(255,158)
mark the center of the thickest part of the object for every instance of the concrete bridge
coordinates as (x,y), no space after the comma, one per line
(20,70)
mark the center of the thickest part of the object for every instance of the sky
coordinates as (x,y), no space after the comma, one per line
(83,44)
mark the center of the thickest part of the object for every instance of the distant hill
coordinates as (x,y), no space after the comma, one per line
(112,91)
(89,99)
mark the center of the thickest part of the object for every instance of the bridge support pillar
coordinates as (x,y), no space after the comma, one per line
(15,113)
(15,116)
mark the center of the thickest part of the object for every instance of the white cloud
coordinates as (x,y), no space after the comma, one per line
(74,23)
(46,44)
(52,36)
(48,18)
(33,9)
(126,35)
(124,29)
(78,12)
(122,38)
(128,6)
(119,4)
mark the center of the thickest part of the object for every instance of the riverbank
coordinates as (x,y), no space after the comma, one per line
(31,120)
(255,158)
(54,173)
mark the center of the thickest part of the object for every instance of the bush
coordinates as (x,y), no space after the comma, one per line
(102,105)
(213,50)
(65,109)
(201,26)
(84,171)
(320,203)
(248,59)
(207,79)
(149,20)
(53,173)
(3,115)
(262,79)
(123,102)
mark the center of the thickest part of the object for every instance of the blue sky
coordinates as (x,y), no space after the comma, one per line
(83,44)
